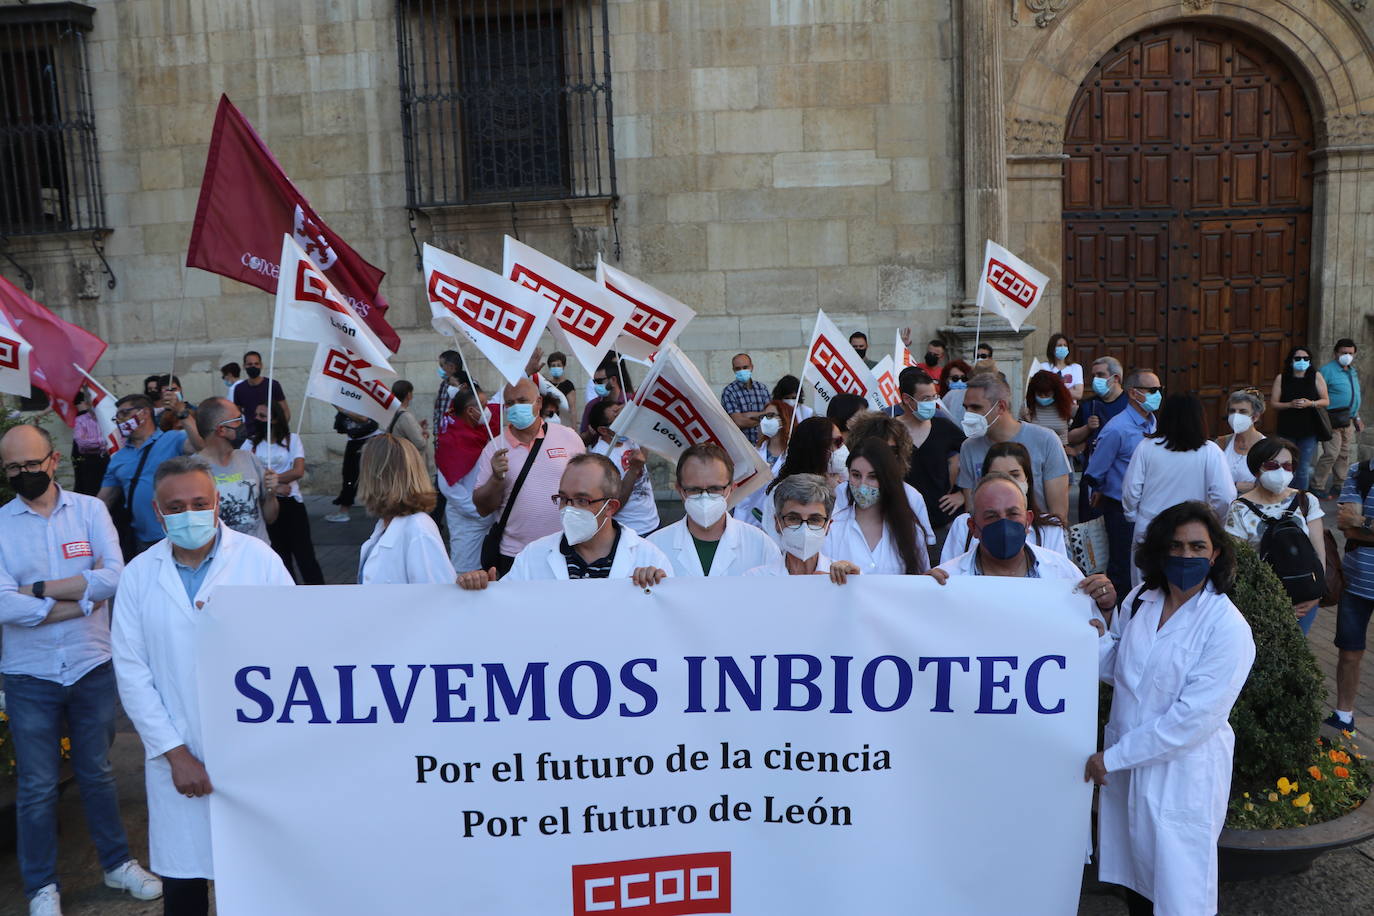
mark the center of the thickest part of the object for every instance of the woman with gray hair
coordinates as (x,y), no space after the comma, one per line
(1243,410)
(802,509)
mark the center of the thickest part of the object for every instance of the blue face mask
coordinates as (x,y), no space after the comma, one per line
(190,530)
(521,416)
(1101,386)
(1302,365)
(925,409)
(555,371)
(439,371)
(1004,538)
(958,386)
(1153,400)
(1184,573)
(600,389)
(1043,401)
(1061,352)
(744,376)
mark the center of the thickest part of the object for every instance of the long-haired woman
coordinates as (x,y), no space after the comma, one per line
(876,529)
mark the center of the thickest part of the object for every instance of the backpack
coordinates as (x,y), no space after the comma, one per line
(1287,548)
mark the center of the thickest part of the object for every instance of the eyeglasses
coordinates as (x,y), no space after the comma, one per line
(1274,465)
(793,521)
(18,466)
(600,381)
(229,422)
(577,502)
(703,491)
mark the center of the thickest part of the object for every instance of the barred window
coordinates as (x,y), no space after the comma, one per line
(49,159)
(505,100)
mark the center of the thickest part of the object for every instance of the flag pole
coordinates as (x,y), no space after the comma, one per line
(272,365)
(458,342)
(176,340)
(978,331)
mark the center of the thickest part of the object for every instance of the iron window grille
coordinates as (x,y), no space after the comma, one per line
(49,157)
(505,100)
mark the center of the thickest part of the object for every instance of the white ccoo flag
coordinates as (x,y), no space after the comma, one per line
(14,360)
(656,320)
(1009,286)
(586,319)
(103,406)
(887,382)
(834,367)
(502,319)
(347,380)
(309,308)
(675,409)
(901,355)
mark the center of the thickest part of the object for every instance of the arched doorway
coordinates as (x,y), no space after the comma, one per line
(1187,209)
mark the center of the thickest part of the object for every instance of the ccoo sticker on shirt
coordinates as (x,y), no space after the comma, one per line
(77,549)
(557,452)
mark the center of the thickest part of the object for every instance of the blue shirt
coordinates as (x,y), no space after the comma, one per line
(1359,563)
(120,474)
(1104,411)
(1116,443)
(193,579)
(1342,387)
(73,540)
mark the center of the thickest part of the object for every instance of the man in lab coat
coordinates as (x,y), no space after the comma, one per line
(592,544)
(160,597)
(707,541)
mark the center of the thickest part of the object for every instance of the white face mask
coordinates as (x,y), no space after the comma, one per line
(1276,481)
(802,542)
(553,418)
(705,509)
(769,426)
(976,424)
(580,525)
(839,458)
(1345,359)
(1240,422)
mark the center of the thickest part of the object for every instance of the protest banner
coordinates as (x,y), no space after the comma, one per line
(1008,286)
(247,202)
(502,319)
(346,380)
(586,318)
(887,382)
(901,354)
(834,367)
(103,408)
(753,745)
(656,320)
(59,350)
(675,408)
(309,308)
(14,360)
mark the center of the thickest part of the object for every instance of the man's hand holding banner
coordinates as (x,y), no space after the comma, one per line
(586,319)
(675,409)
(502,319)
(656,320)
(1009,286)
(309,308)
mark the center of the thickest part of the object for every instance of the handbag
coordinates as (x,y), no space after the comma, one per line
(122,512)
(1088,545)
(491,544)
(1339,417)
(1324,432)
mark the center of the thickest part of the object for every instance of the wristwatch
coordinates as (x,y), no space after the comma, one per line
(39,588)
(1367,523)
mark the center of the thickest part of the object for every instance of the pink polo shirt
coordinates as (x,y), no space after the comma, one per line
(534,514)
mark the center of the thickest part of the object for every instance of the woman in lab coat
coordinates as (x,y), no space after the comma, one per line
(153,640)
(405,546)
(1177,654)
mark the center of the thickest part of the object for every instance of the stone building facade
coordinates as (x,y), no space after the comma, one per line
(769,157)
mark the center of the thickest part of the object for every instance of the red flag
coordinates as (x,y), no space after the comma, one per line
(56,344)
(247,202)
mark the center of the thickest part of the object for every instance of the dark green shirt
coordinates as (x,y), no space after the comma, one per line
(706,553)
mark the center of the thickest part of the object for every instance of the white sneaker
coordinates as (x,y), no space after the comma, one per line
(46,902)
(337,517)
(135,879)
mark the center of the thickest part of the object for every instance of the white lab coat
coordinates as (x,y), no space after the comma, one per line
(154,647)
(1157,479)
(741,548)
(847,541)
(467,528)
(409,551)
(541,559)
(1169,745)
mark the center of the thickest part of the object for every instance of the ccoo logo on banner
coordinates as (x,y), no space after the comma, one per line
(1010,287)
(659,886)
(834,367)
(346,380)
(656,318)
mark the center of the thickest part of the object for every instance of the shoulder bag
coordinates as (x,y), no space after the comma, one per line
(491,544)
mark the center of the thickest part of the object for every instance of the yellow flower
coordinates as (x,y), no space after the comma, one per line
(1273,796)
(1307,810)
(1249,806)
(1246,794)
(1285,786)
(1302,801)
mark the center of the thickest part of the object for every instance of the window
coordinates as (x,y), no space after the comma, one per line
(505,100)
(49,160)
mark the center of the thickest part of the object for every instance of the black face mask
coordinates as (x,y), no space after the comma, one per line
(30,484)
(253,371)
(932,359)
(862,351)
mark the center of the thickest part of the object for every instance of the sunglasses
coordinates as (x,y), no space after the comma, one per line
(1274,465)
(1155,390)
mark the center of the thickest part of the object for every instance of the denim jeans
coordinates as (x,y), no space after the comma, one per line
(1302,470)
(1120,545)
(41,713)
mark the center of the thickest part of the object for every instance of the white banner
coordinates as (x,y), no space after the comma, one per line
(309,308)
(586,318)
(14,360)
(102,405)
(577,748)
(1010,287)
(656,320)
(676,408)
(503,320)
(344,379)
(901,354)
(886,376)
(834,367)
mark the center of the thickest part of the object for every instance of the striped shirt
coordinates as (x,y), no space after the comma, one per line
(1359,563)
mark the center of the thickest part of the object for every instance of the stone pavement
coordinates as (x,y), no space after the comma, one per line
(1339,883)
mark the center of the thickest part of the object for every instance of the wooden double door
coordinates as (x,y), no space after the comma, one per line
(1188,212)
